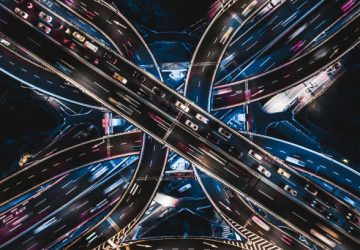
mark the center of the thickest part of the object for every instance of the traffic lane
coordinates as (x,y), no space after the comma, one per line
(68,160)
(73,135)
(298,70)
(194,89)
(29,213)
(212,46)
(38,202)
(136,201)
(91,88)
(42,79)
(74,214)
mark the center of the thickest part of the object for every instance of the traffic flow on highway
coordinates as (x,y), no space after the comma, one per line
(171,121)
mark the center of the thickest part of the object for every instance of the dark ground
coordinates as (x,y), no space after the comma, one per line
(164,15)
(27,122)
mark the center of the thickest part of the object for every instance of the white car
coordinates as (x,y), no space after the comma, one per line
(202,118)
(192,125)
(283,173)
(290,190)
(311,189)
(264,171)
(91,46)
(255,155)
(182,106)
(5,42)
(21,13)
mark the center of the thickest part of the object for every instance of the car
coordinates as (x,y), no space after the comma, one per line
(44,28)
(264,171)
(290,190)
(119,78)
(284,173)
(21,13)
(182,106)
(45,17)
(255,155)
(157,91)
(78,36)
(224,132)
(4,41)
(192,125)
(91,46)
(311,189)
(202,118)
